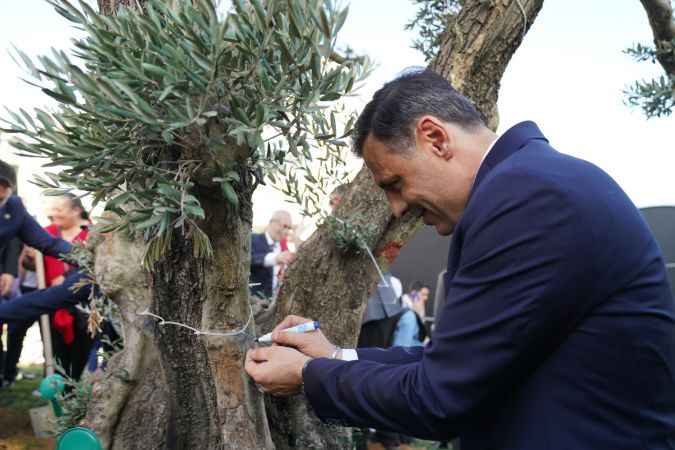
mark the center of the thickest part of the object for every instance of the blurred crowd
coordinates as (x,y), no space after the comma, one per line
(73,346)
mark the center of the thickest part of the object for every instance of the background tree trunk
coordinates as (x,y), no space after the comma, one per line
(662,22)
(325,285)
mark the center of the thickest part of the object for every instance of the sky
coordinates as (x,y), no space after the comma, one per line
(568,76)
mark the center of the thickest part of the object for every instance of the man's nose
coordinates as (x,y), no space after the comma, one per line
(397,204)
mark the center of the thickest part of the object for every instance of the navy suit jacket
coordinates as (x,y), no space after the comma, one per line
(260,274)
(16,222)
(559,327)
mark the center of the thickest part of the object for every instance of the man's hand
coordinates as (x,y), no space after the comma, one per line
(58,280)
(313,343)
(285,258)
(278,370)
(6,280)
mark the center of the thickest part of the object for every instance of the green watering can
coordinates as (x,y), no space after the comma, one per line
(77,438)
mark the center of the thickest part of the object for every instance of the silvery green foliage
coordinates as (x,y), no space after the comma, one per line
(350,237)
(432,19)
(149,102)
(656,97)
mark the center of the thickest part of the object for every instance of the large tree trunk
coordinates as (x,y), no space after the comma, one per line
(213,403)
(187,390)
(132,386)
(328,286)
(184,390)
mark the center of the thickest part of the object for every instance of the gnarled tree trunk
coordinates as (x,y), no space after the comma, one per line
(327,286)
(132,386)
(213,403)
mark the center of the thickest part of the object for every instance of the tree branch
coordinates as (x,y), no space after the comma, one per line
(662,22)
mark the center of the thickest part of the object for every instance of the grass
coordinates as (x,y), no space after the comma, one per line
(16,432)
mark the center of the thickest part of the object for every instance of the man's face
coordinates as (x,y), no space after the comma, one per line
(280,227)
(5,191)
(421,180)
(424,294)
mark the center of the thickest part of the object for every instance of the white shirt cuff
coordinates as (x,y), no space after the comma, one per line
(270,259)
(349,354)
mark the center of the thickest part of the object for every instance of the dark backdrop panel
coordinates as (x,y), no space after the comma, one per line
(422,259)
(425,255)
(661,220)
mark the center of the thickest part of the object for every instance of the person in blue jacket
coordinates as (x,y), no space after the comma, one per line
(16,222)
(558,331)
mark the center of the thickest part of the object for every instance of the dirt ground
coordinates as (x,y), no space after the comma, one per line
(16,432)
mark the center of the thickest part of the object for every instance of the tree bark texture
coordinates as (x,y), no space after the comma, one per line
(213,403)
(662,22)
(324,284)
(132,388)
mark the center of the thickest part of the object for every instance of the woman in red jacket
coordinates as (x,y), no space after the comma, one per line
(72,343)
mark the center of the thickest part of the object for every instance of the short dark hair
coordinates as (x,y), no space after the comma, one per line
(417,286)
(7,174)
(390,115)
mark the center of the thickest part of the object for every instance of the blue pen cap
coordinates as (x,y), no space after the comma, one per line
(316,324)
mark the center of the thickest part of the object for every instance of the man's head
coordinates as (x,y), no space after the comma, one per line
(423,142)
(7,180)
(280,225)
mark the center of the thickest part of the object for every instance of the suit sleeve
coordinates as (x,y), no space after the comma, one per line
(393,355)
(258,251)
(521,286)
(33,235)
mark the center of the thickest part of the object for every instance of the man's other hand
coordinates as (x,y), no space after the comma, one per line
(285,258)
(277,370)
(312,343)
(6,280)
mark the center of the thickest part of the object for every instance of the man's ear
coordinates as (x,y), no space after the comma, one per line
(432,134)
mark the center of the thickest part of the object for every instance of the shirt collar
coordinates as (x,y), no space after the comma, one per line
(488,151)
(269,239)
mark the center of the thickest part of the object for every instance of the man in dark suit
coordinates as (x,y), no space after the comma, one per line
(16,222)
(267,254)
(9,265)
(559,327)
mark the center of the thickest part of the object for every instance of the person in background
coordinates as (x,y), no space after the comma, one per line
(71,340)
(267,257)
(17,329)
(416,298)
(16,222)
(9,262)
